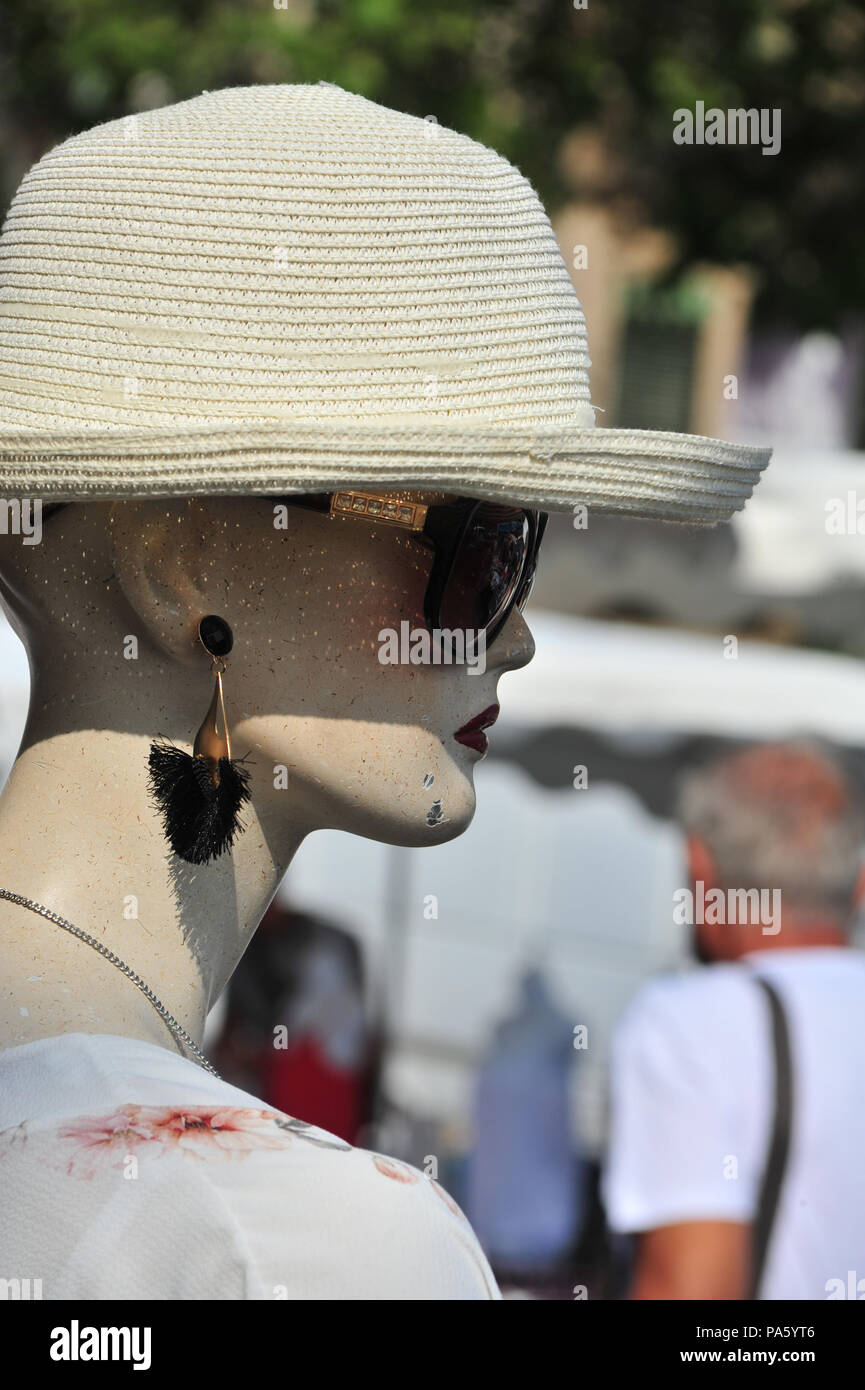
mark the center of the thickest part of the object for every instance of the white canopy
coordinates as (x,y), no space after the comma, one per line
(803,531)
(623,678)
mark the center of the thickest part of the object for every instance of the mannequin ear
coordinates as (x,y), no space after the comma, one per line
(165,556)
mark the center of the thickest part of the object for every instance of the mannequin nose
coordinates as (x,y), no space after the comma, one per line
(514,647)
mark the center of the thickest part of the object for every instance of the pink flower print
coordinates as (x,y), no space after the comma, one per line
(194,1131)
(393,1168)
(106,1140)
(401,1172)
(219,1131)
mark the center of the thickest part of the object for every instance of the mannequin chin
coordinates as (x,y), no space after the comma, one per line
(332,736)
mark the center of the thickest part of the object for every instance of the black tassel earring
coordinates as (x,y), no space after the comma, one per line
(200,795)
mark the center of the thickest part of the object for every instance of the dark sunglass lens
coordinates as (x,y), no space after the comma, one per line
(487,568)
(530,569)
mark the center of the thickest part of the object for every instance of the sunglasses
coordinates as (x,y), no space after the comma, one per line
(484,555)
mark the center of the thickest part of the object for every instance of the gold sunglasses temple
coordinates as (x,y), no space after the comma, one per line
(374,506)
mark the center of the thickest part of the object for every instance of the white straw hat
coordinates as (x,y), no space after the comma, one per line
(293,289)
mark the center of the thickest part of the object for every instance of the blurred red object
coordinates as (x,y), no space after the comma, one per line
(303,1082)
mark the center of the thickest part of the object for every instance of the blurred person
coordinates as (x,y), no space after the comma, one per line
(737,1149)
(317,1068)
(296,1029)
(525,1191)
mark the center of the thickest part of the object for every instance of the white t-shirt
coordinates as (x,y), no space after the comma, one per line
(692,1085)
(127,1171)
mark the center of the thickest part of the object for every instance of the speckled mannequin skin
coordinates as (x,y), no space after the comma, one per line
(304,691)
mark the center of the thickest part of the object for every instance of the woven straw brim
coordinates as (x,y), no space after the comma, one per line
(670,477)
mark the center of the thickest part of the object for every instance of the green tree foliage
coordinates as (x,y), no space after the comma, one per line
(523,77)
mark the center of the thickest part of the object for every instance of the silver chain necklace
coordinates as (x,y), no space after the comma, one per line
(167,1018)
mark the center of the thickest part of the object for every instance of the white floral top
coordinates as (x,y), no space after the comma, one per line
(126,1171)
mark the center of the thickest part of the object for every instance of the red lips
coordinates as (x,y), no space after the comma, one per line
(472,734)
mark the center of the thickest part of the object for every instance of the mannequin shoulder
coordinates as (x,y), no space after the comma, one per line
(346,1223)
(233,1202)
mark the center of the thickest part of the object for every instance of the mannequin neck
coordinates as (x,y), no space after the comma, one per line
(79,835)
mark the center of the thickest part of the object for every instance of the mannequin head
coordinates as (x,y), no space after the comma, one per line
(108,606)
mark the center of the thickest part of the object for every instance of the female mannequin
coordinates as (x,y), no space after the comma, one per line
(367,748)
(259,294)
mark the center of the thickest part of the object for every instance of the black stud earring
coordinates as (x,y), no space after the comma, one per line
(200,794)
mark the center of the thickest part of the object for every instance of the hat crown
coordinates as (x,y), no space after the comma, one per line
(284,252)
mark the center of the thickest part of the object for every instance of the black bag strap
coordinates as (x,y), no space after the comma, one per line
(779,1143)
